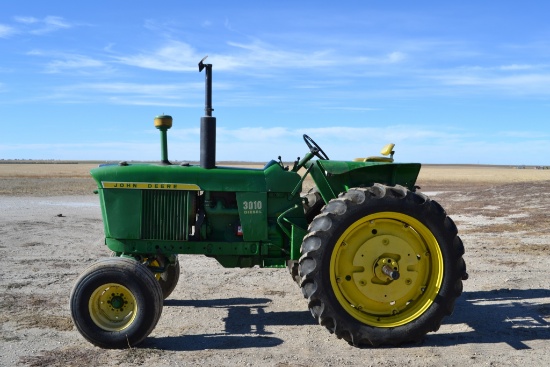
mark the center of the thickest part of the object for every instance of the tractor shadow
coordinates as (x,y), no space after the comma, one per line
(511,316)
(246,325)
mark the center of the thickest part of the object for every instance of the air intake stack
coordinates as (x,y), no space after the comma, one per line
(163,123)
(208,123)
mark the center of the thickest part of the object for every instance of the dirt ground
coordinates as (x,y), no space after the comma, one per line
(51,230)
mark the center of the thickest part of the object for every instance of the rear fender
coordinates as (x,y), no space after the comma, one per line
(334,177)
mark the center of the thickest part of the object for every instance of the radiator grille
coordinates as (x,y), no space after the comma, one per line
(164,215)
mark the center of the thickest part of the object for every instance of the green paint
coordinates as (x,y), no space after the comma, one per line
(242,217)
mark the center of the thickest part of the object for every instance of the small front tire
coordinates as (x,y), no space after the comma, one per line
(169,279)
(116,303)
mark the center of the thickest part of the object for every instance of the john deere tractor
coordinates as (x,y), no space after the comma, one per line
(378,262)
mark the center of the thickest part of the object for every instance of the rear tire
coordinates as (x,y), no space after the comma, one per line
(293,269)
(312,207)
(364,231)
(313,204)
(116,303)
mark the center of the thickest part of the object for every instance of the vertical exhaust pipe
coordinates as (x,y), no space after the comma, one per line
(208,123)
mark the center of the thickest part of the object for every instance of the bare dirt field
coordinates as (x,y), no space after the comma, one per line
(51,230)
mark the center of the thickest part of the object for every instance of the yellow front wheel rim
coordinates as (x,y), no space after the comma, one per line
(386,269)
(112,307)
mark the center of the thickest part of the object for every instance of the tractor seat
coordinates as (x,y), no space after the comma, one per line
(387,150)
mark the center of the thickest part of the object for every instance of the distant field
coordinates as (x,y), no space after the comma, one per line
(41,170)
(485,174)
(463,173)
(42,179)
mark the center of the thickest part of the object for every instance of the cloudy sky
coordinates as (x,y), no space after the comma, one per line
(447,82)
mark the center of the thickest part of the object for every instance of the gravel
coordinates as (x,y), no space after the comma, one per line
(258,317)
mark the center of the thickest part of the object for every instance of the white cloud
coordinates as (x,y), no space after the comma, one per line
(131,94)
(135,88)
(345,143)
(524,134)
(180,56)
(26,20)
(258,133)
(174,56)
(514,67)
(338,134)
(262,144)
(112,150)
(73,62)
(393,133)
(350,108)
(529,81)
(507,79)
(37,26)
(50,24)
(395,57)
(260,54)
(390,58)
(69,62)
(6,31)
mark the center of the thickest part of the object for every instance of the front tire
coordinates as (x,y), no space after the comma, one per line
(169,279)
(382,265)
(116,303)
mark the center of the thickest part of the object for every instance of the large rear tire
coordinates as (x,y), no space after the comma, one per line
(293,268)
(312,207)
(116,303)
(382,265)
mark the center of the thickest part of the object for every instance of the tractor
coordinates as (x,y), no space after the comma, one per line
(378,262)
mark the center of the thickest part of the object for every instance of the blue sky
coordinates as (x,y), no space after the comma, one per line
(447,82)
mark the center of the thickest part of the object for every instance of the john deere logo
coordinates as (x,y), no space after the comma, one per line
(150,186)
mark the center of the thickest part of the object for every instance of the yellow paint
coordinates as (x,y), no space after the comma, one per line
(112,307)
(387,149)
(164,121)
(360,286)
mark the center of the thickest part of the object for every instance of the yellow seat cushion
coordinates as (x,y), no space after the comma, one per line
(387,150)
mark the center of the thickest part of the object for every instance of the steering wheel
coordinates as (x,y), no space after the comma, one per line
(315,148)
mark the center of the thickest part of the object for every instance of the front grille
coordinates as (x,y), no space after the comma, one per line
(164,215)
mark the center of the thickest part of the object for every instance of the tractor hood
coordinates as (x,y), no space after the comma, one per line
(194,178)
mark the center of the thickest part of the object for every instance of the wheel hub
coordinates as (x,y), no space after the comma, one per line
(386,269)
(383,270)
(117,302)
(112,307)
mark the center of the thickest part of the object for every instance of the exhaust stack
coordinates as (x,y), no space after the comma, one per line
(163,123)
(208,123)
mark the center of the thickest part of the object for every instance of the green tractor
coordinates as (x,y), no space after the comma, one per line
(378,262)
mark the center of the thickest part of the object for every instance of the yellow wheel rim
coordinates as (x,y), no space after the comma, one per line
(386,269)
(112,307)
